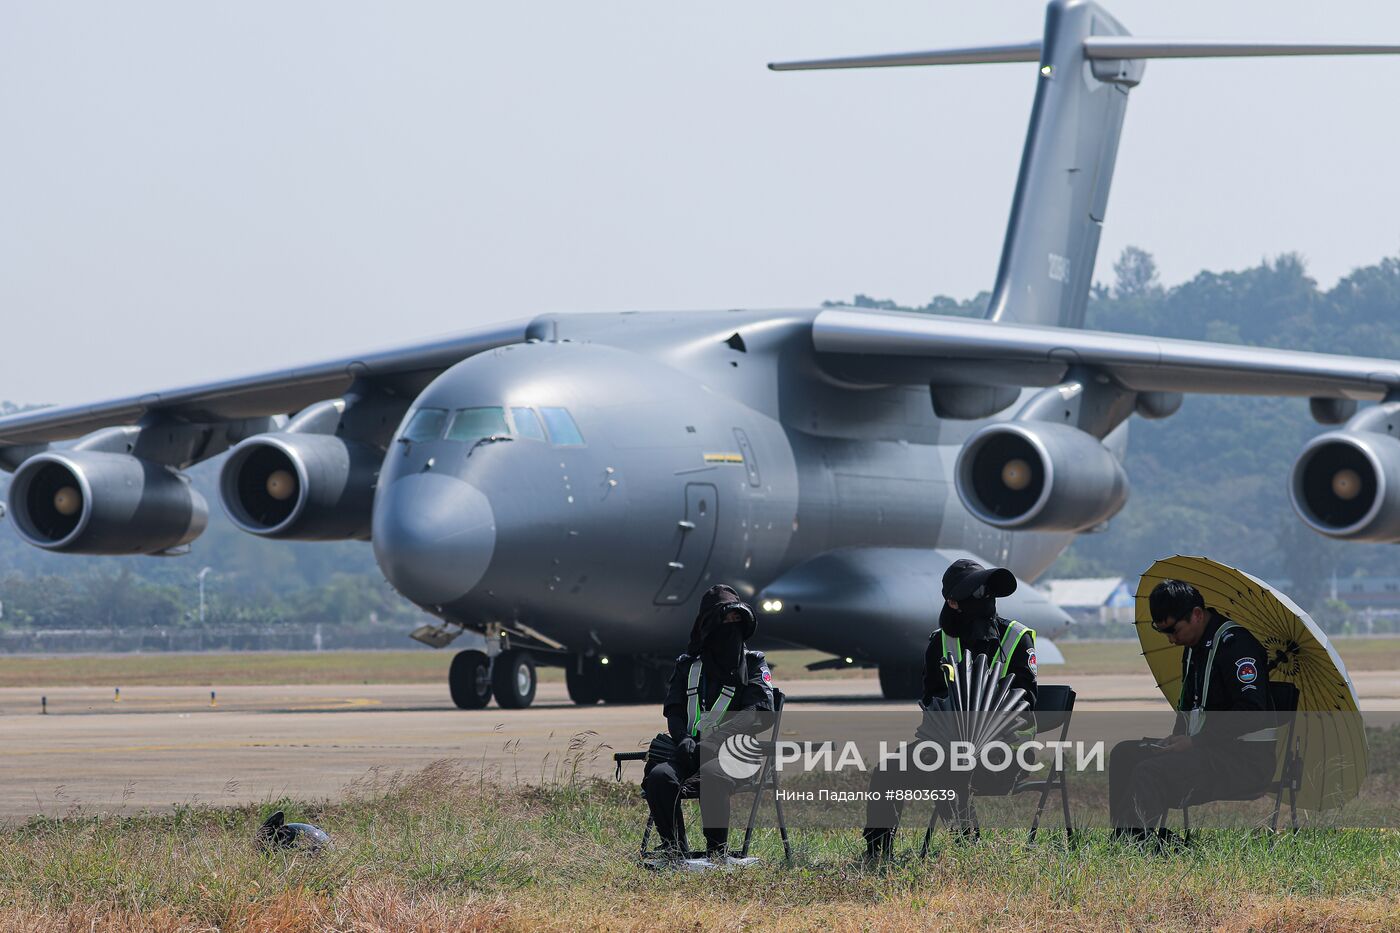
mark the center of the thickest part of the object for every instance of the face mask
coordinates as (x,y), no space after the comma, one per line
(724,650)
(977,608)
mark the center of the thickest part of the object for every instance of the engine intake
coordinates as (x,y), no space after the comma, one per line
(91,502)
(1346,484)
(1039,476)
(309,487)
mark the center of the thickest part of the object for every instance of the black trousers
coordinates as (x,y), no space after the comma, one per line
(1145,782)
(662,789)
(882,815)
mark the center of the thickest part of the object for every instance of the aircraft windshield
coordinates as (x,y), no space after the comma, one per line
(426,425)
(527,423)
(562,430)
(472,423)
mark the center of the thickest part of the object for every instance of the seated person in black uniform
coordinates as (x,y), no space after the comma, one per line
(967,624)
(1222,757)
(714,679)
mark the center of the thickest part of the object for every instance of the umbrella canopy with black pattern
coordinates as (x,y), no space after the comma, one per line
(1328,730)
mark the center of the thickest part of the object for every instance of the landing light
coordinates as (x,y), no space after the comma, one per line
(602,660)
(772,605)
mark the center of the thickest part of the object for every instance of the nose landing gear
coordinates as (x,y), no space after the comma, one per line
(469,679)
(513,679)
(474,678)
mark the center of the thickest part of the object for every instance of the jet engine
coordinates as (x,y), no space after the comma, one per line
(92,502)
(309,487)
(1039,476)
(1346,484)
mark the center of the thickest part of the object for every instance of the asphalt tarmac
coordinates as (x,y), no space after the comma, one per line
(161,747)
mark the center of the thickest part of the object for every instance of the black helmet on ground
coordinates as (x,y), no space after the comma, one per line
(276,833)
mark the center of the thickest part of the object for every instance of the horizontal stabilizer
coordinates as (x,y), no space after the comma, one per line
(987,54)
(1095,47)
(1114,47)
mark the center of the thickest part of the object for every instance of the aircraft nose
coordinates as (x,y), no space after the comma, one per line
(433,536)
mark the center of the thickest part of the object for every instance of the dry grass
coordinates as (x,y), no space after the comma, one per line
(449,850)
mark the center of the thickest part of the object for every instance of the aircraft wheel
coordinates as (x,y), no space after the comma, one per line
(586,686)
(513,679)
(469,679)
(901,681)
(629,680)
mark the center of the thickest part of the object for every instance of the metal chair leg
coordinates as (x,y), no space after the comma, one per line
(646,834)
(753,809)
(1063,778)
(1040,808)
(782,826)
(1186,822)
(928,833)
(1278,806)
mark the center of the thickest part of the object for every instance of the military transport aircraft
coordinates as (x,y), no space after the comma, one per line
(566,486)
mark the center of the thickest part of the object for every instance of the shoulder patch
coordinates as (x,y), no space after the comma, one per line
(767,674)
(1246,670)
(1035,669)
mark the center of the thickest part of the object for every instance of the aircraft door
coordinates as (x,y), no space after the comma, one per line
(697,538)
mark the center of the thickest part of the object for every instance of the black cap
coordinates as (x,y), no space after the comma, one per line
(967,579)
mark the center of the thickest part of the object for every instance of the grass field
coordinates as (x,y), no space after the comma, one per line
(444,850)
(423,666)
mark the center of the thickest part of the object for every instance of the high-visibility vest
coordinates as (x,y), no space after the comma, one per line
(703,722)
(1196,716)
(1009,640)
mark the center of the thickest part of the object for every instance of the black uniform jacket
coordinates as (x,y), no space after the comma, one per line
(982,636)
(1239,682)
(756,693)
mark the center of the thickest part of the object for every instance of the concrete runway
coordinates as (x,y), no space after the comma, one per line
(165,746)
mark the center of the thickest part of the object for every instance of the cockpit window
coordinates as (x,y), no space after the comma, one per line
(469,424)
(426,425)
(562,430)
(527,423)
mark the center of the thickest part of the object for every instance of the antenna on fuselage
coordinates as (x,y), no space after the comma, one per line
(1088,63)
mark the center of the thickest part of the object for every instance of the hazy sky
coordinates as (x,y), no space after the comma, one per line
(198,189)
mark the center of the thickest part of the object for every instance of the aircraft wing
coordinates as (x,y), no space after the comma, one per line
(929,349)
(404,370)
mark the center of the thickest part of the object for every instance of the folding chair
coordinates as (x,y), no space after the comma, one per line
(765,781)
(1287,777)
(1053,706)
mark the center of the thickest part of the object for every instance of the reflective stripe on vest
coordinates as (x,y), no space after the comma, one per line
(1196,717)
(1009,640)
(702,723)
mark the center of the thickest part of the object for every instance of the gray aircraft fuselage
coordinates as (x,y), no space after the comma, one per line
(701,463)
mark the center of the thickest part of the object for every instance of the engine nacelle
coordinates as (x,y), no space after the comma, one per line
(91,502)
(310,487)
(1039,476)
(1346,484)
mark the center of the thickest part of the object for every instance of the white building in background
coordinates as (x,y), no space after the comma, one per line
(1092,599)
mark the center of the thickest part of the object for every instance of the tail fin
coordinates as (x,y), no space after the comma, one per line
(1088,63)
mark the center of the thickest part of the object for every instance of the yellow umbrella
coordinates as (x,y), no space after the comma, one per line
(1333,745)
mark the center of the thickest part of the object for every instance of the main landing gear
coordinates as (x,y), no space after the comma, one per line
(615,680)
(901,681)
